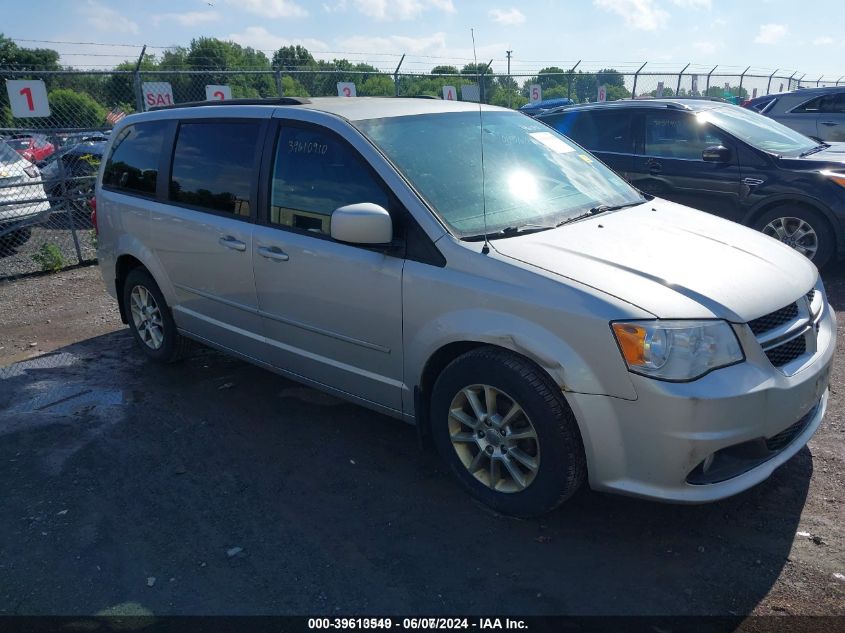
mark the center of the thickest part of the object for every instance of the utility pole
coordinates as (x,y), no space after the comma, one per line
(509,77)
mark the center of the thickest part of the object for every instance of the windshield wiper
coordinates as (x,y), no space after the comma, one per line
(817,148)
(599,209)
(509,231)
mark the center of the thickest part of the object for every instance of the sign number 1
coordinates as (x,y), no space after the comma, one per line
(27,98)
(27,92)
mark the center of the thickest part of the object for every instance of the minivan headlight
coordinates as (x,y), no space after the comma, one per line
(677,350)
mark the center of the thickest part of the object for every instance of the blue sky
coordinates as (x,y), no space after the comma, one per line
(765,34)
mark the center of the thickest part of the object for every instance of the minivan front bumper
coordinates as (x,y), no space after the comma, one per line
(656,446)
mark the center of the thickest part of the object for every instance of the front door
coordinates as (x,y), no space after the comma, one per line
(668,163)
(331,312)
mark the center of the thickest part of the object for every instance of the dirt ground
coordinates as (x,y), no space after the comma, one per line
(214,487)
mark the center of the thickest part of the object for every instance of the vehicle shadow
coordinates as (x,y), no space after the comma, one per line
(833,276)
(238,491)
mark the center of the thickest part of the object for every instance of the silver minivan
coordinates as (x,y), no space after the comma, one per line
(469,270)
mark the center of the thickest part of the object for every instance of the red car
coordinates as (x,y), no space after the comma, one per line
(33,148)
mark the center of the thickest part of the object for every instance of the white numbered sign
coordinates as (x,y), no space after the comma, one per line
(157,93)
(345,89)
(450,93)
(659,89)
(28,97)
(217,93)
(602,93)
(535,93)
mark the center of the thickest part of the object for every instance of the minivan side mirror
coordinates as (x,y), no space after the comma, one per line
(716,154)
(362,223)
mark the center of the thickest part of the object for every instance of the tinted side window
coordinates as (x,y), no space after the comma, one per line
(833,104)
(811,107)
(613,132)
(133,163)
(676,135)
(314,174)
(213,165)
(578,126)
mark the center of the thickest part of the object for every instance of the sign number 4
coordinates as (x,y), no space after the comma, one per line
(27,98)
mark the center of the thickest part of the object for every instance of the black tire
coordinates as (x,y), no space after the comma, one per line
(562,466)
(173,346)
(825,239)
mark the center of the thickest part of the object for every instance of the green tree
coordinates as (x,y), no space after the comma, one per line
(444,70)
(74,109)
(293,58)
(377,86)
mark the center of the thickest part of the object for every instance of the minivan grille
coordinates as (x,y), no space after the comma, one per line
(789,351)
(770,321)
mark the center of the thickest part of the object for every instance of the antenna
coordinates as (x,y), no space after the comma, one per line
(486,248)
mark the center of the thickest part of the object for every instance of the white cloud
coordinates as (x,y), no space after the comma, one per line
(823,40)
(643,15)
(261,39)
(192,18)
(510,16)
(771,33)
(272,8)
(694,4)
(434,43)
(104,18)
(708,47)
(340,5)
(401,9)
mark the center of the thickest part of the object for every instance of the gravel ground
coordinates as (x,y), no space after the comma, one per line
(18,261)
(214,487)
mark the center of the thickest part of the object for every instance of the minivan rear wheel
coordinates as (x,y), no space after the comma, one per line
(800,228)
(506,432)
(150,319)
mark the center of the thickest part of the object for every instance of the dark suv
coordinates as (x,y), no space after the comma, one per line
(723,159)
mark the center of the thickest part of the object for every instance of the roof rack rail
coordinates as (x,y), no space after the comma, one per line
(277,101)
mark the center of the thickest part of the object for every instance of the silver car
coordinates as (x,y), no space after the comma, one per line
(469,270)
(815,112)
(23,202)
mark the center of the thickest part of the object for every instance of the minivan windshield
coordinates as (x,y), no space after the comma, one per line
(8,156)
(757,130)
(532,175)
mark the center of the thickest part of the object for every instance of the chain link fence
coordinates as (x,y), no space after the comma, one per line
(48,164)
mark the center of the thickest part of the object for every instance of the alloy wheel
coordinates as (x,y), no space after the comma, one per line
(494,438)
(146,316)
(795,233)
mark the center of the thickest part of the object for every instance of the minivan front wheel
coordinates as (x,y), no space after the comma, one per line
(150,319)
(800,228)
(506,432)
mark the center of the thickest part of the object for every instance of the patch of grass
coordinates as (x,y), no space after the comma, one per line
(49,257)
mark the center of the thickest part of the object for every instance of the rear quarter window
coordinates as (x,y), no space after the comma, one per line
(132,166)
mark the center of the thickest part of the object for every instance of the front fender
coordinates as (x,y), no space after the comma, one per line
(567,367)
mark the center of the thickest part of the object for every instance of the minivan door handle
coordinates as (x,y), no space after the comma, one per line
(829,123)
(274,253)
(233,243)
